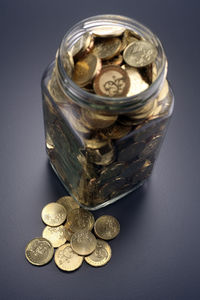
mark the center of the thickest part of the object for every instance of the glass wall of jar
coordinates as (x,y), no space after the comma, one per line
(102,147)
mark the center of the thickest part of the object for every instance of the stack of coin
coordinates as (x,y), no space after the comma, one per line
(69,229)
(101,156)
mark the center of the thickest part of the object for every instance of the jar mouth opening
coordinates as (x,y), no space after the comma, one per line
(111,103)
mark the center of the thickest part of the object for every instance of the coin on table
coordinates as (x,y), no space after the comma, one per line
(85,69)
(53,214)
(83,242)
(101,255)
(108,31)
(137,84)
(79,219)
(107,48)
(68,202)
(39,251)
(140,54)
(106,227)
(56,235)
(66,259)
(112,81)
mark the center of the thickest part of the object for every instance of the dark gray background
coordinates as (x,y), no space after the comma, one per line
(157,254)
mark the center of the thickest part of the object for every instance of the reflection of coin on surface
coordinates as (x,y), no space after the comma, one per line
(112,81)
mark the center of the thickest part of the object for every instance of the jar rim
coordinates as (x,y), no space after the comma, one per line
(97,102)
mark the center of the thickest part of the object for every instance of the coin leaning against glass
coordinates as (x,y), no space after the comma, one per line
(39,251)
(101,255)
(68,202)
(66,259)
(56,235)
(107,227)
(83,242)
(53,214)
(79,219)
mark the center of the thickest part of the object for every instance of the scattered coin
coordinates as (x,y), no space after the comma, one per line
(101,255)
(39,251)
(79,219)
(66,259)
(53,214)
(140,53)
(112,81)
(56,235)
(83,242)
(106,227)
(68,202)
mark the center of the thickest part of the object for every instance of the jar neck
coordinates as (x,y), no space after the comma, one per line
(109,104)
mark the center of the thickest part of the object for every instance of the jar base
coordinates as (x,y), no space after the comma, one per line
(102,204)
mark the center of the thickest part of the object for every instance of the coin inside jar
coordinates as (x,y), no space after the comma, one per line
(101,255)
(39,251)
(53,214)
(83,242)
(107,227)
(96,120)
(140,53)
(107,48)
(112,81)
(66,259)
(85,69)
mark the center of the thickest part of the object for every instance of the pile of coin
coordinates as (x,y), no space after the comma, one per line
(101,156)
(69,229)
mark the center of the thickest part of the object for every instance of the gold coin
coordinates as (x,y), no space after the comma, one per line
(82,44)
(68,202)
(108,31)
(39,251)
(66,259)
(79,219)
(112,81)
(83,242)
(164,91)
(140,54)
(107,48)
(53,214)
(116,131)
(95,143)
(96,120)
(137,84)
(56,235)
(117,60)
(106,227)
(102,156)
(101,255)
(85,69)
(68,63)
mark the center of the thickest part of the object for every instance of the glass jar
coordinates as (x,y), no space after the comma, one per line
(103,148)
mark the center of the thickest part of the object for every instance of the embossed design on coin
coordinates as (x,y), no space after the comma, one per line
(106,227)
(68,202)
(140,53)
(112,81)
(53,214)
(83,242)
(39,251)
(66,259)
(107,48)
(79,219)
(101,255)
(56,235)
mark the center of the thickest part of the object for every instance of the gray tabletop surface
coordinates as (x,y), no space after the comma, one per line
(157,254)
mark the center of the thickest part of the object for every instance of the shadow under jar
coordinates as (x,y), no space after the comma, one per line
(102,142)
